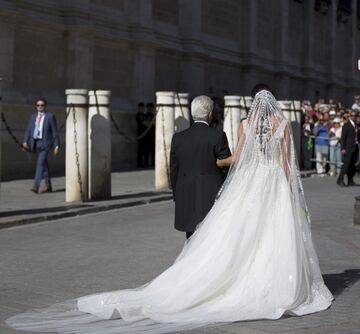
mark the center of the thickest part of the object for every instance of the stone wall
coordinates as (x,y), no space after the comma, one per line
(135,47)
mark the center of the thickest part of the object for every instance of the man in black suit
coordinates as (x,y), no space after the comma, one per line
(350,150)
(41,136)
(195,177)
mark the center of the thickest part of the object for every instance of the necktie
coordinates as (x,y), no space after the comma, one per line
(37,132)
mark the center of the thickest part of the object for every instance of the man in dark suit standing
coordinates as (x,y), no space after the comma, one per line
(350,150)
(195,177)
(41,136)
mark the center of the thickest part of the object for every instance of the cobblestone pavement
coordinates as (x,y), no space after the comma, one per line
(45,263)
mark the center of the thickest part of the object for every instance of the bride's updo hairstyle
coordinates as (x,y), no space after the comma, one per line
(259,87)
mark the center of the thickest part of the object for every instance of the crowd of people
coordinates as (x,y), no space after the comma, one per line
(328,143)
(330,138)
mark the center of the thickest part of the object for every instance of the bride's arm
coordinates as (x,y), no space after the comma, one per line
(235,157)
(286,151)
(224,162)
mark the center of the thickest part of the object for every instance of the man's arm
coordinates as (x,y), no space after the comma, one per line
(343,139)
(55,132)
(27,134)
(222,149)
(174,165)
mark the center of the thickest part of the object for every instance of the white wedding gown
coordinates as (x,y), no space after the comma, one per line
(251,258)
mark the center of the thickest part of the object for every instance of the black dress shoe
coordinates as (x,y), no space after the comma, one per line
(46,190)
(351,183)
(341,183)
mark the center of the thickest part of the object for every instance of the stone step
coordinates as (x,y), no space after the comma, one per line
(22,217)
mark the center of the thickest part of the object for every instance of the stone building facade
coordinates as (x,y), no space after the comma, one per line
(305,49)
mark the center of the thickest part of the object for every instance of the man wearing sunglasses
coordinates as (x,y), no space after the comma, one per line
(41,136)
(350,150)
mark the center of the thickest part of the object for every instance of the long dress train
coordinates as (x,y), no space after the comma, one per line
(251,258)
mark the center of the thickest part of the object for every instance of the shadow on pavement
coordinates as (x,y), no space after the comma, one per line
(59,190)
(143,194)
(41,210)
(12,213)
(337,283)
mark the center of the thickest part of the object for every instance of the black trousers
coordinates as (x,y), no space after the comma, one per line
(141,154)
(348,167)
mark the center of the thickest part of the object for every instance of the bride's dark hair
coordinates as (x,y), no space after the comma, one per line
(262,86)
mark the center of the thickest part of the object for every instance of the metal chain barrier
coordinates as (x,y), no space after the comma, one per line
(20,144)
(10,132)
(73,109)
(152,122)
(117,128)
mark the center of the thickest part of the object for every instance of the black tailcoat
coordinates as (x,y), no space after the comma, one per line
(195,177)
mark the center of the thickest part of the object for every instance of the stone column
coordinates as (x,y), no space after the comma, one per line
(182,112)
(76,169)
(99,131)
(140,16)
(144,74)
(245,104)
(80,58)
(165,127)
(232,119)
(190,28)
(7,37)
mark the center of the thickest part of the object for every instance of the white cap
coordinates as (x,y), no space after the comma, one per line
(332,112)
(336,120)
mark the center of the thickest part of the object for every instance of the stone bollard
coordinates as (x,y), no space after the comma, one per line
(165,127)
(357,211)
(245,104)
(76,161)
(232,119)
(182,112)
(99,131)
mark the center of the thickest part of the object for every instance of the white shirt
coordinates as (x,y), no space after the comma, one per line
(41,125)
(355,106)
(202,122)
(337,133)
(352,123)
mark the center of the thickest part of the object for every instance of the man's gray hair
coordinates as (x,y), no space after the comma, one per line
(201,107)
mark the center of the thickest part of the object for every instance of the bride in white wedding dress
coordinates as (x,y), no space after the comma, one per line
(251,258)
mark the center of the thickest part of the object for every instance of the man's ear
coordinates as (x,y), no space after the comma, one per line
(210,117)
